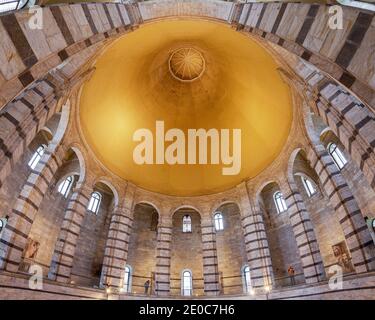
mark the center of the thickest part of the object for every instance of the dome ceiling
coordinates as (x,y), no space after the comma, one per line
(190,74)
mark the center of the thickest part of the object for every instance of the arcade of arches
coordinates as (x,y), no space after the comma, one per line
(76,208)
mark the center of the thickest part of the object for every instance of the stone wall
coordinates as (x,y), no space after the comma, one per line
(186,252)
(358,184)
(282,244)
(324,219)
(142,246)
(231,251)
(89,253)
(29,93)
(46,227)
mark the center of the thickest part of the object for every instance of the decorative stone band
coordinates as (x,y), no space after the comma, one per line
(357,235)
(304,234)
(211,276)
(163,260)
(14,238)
(116,249)
(74,26)
(351,122)
(336,57)
(22,119)
(63,256)
(257,249)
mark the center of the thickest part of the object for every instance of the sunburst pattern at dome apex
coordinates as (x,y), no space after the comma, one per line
(186,64)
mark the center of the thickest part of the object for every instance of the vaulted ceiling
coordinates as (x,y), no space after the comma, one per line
(236,85)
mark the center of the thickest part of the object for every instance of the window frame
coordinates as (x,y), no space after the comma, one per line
(186,224)
(337,155)
(18,4)
(3,222)
(218,221)
(183,278)
(310,187)
(37,156)
(61,187)
(94,203)
(280,202)
(246,279)
(127,285)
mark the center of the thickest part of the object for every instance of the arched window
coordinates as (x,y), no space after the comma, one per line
(10,5)
(127,279)
(279,202)
(94,202)
(3,222)
(186,224)
(36,157)
(187,283)
(246,279)
(65,186)
(309,186)
(219,221)
(337,155)
(358,4)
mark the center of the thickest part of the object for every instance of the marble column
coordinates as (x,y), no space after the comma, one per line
(304,234)
(63,256)
(163,257)
(211,276)
(256,242)
(116,249)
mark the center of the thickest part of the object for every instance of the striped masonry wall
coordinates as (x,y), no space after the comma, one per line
(257,249)
(116,249)
(63,256)
(303,29)
(352,121)
(163,258)
(71,28)
(29,93)
(14,238)
(356,233)
(211,276)
(304,234)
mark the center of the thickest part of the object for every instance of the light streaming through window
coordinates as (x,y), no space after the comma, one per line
(309,186)
(187,283)
(186,224)
(337,155)
(247,279)
(36,157)
(65,186)
(127,279)
(94,202)
(280,202)
(219,221)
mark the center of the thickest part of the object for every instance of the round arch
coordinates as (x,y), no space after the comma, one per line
(111,187)
(216,207)
(150,204)
(185,206)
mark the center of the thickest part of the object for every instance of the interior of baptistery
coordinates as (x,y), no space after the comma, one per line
(187,149)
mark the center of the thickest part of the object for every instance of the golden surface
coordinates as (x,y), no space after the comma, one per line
(132,88)
(186,64)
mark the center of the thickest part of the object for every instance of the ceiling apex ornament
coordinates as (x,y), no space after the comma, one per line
(186,64)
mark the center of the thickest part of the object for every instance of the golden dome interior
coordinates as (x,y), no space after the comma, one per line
(189,74)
